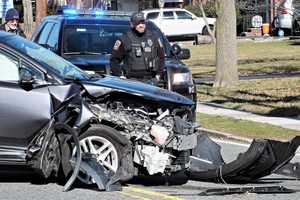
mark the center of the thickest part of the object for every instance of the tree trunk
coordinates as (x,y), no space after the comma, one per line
(28,19)
(41,11)
(226,51)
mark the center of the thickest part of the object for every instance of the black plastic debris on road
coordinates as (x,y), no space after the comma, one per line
(243,190)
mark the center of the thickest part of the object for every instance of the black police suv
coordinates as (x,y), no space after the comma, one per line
(86,39)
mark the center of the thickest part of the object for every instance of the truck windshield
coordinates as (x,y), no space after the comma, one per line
(94,39)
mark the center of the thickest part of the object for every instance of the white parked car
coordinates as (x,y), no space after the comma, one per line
(177,22)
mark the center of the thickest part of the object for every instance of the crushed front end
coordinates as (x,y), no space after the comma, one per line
(162,138)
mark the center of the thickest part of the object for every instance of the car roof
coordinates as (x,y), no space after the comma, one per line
(163,9)
(112,17)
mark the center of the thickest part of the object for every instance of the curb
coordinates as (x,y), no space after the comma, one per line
(223,135)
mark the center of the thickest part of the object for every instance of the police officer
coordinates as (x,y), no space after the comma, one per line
(12,23)
(141,52)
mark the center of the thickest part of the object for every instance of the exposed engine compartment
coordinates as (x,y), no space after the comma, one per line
(162,138)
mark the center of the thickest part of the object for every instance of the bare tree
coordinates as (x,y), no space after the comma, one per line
(226,51)
(28,19)
(41,10)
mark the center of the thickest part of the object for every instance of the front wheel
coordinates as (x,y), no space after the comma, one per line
(102,141)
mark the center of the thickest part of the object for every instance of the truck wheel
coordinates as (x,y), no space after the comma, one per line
(205,30)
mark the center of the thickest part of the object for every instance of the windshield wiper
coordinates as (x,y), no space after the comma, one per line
(94,76)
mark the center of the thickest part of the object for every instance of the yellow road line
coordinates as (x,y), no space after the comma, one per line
(132,195)
(151,193)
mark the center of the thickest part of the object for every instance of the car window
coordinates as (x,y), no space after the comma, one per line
(152,15)
(53,38)
(42,39)
(47,58)
(183,15)
(9,70)
(168,15)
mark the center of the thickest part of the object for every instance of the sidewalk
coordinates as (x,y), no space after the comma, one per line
(215,109)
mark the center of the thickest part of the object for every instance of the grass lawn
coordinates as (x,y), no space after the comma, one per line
(274,97)
(253,57)
(245,128)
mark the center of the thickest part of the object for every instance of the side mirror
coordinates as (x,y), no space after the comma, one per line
(26,77)
(176,49)
(184,54)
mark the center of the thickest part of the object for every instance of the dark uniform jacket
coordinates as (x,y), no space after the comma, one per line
(18,31)
(142,56)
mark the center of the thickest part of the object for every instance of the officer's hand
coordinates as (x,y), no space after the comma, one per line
(157,77)
(122,77)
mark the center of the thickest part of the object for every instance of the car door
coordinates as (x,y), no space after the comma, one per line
(169,25)
(187,23)
(23,112)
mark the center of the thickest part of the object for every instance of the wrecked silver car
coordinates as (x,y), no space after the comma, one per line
(135,128)
(125,128)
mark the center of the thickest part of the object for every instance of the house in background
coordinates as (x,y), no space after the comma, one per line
(136,5)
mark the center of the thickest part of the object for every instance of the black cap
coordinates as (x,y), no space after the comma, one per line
(137,18)
(12,14)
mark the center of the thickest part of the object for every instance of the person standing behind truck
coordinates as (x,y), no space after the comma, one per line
(11,24)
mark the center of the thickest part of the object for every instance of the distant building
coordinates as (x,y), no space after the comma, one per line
(135,5)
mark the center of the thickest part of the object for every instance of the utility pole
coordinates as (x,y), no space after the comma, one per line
(267,11)
(272,3)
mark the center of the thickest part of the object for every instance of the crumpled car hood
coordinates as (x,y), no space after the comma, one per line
(110,84)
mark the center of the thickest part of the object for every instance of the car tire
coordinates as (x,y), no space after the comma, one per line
(111,156)
(205,30)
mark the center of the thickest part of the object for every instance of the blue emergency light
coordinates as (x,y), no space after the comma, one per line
(70,12)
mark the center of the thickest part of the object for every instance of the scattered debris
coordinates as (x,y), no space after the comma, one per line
(242,190)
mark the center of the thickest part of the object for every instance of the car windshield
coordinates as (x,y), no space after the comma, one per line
(97,39)
(47,58)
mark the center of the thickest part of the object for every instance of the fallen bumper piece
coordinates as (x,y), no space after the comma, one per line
(261,159)
(290,169)
(104,179)
(242,190)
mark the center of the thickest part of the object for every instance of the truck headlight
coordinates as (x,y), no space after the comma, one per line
(182,78)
